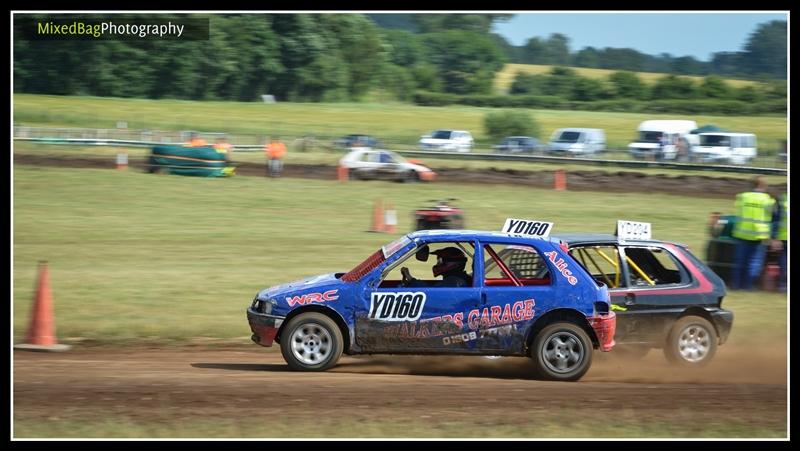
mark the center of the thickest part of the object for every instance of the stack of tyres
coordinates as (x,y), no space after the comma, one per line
(195,161)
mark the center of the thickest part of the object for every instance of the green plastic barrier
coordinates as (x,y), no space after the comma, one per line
(194,161)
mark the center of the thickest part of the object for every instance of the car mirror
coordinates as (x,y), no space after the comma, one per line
(422,253)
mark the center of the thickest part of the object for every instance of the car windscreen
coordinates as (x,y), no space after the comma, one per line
(569,137)
(650,137)
(715,140)
(441,134)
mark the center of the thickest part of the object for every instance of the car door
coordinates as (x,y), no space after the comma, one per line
(397,319)
(516,284)
(657,290)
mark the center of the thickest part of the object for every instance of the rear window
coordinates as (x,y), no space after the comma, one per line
(569,137)
(715,140)
(650,137)
(441,134)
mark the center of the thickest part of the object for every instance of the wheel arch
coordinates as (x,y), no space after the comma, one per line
(327,311)
(697,311)
(558,315)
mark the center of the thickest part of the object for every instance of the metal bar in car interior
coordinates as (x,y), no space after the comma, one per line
(502,265)
(605,276)
(614,262)
(639,270)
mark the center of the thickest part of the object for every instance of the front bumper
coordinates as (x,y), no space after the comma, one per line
(263,326)
(723,321)
(604,327)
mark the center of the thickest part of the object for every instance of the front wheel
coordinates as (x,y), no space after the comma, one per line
(692,342)
(562,352)
(311,342)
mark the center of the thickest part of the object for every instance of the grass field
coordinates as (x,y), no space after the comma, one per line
(397,125)
(505,77)
(151,258)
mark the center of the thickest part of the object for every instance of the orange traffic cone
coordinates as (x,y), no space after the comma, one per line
(342,173)
(560,180)
(391,219)
(42,329)
(377,217)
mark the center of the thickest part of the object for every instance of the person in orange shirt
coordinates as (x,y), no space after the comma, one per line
(275,151)
(223,146)
(195,141)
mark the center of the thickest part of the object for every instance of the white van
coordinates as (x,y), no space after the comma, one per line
(447,140)
(577,141)
(734,148)
(660,139)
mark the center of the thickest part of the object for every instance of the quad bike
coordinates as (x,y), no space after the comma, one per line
(441,215)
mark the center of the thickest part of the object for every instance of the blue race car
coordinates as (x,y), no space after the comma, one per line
(499,294)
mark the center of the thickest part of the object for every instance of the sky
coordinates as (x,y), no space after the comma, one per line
(679,34)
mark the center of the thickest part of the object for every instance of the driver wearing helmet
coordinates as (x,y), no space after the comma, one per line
(450,264)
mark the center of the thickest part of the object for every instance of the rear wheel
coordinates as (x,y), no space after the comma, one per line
(311,342)
(692,342)
(562,352)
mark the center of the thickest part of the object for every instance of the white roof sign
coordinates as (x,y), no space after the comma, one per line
(531,227)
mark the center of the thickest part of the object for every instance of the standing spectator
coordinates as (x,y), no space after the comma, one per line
(275,151)
(755,224)
(780,243)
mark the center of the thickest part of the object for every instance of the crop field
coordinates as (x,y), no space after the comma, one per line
(399,126)
(505,77)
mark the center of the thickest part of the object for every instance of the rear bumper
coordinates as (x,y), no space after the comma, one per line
(604,327)
(264,327)
(723,322)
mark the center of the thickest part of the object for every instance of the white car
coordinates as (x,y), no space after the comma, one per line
(447,140)
(366,163)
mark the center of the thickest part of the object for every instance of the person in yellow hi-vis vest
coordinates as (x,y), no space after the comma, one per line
(780,243)
(755,225)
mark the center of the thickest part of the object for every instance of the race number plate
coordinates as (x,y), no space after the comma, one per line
(539,229)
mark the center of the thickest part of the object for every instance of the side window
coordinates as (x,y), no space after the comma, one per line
(365,157)
(445,264)
(602,262)
(653,266)
(523,262)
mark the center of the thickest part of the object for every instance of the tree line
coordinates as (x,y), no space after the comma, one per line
(323,57)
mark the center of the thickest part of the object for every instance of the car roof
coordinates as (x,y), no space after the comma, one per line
(468,234)
(585,238)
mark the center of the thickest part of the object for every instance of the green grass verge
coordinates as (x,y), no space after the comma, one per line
(144,257)
(537,425)
(398,125)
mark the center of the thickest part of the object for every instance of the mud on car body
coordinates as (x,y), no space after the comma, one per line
(664,296)
(548,308)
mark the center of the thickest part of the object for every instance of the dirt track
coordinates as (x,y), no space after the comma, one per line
(245,383)
(600,180)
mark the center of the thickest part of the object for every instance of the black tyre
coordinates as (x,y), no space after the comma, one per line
(562,352)
(311,342)
(692,342)
(411,177)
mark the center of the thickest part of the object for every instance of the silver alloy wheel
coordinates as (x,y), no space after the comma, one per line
(563,352)
(694,343)
(311,343)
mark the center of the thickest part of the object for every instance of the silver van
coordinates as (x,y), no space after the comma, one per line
(577,141)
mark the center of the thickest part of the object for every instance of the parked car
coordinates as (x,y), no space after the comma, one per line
(577,141)
(364,163)
(447,140)
(556,318)
(725,147)
(518,144)
(346,142)
(652,136)
(663,295)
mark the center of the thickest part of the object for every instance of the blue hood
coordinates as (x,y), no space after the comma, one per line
(278,292)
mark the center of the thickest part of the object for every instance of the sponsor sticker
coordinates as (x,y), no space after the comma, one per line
(530,227)
(392,306)
(562,267)
(630,230)
(310,298)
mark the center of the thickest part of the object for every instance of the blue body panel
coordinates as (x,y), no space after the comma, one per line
(471,320)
